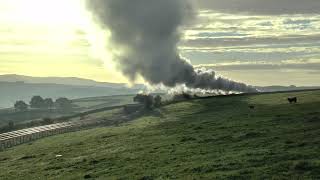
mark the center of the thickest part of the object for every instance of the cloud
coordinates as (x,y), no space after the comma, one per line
(263,7)
(245,41)
(217,34)
(240,66)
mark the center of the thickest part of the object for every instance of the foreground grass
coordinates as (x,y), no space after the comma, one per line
(217,138)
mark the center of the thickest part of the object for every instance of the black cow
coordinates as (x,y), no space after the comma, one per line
(251,106)
(293,100)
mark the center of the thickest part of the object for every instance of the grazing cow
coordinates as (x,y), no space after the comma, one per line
(293,100)
(251,106)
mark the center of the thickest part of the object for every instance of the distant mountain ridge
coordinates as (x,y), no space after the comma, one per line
(17,87)
(10,92)
(62,81)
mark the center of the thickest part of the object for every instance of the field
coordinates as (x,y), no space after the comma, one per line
(214,138)
(101,102)
(22,119)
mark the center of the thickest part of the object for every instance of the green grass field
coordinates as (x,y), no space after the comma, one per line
(216,138)
(101,102)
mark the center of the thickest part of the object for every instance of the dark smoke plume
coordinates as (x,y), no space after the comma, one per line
(146,33)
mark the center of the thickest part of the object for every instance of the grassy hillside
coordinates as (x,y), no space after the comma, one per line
(81,105)
(216,138)
(101,102)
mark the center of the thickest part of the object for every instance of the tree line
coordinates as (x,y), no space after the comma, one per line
(149,101)
(155,101)
(37,102)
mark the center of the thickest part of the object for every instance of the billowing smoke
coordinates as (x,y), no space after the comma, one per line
(144,36)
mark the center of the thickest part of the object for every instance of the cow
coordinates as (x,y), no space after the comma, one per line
(293,100)
(251,106)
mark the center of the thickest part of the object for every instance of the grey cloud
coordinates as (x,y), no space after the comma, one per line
(315,67)
(257,48)
(265,7)
(231,56)
(233,28)
(266,24)
(222,42)
(219,34)
(298,24)
(299,21)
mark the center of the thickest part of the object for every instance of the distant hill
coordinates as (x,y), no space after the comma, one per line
(61,80)
(13,91)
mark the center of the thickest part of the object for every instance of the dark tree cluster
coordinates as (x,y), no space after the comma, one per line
(21,106)
(148,100)
(37,102)
(63,103)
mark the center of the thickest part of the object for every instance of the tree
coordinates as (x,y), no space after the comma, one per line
(48,103)
(37,102)
(21,106)
(157,101)
(139,98)
(63,103)
(147,100)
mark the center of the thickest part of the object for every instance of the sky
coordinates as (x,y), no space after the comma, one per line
(274,42)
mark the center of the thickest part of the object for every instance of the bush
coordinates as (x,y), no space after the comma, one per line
(157,101)
(147,100)
(63,104)
(21,106)
(37,102)
(48,103)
